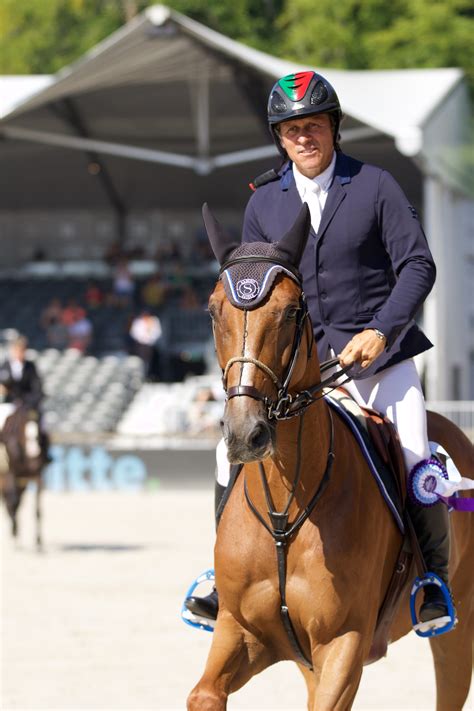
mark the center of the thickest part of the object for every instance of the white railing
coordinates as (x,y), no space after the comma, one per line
(461,412)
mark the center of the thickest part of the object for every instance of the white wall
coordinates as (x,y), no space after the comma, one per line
(449,310)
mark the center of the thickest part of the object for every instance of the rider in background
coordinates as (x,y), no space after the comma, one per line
(366,270)
(21,386)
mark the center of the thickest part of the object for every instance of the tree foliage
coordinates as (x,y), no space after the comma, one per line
(41,36)
(375,34)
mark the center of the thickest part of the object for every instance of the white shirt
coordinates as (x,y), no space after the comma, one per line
(314,191)
(16,366)
(146,331)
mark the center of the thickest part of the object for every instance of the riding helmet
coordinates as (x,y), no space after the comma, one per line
(302,94)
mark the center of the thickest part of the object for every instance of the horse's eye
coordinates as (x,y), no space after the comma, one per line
(291,313)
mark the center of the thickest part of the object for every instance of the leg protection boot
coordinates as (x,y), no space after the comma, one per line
(432,529)
(208,606)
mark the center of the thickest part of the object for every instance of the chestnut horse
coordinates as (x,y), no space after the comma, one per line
(340,561)
(21,463)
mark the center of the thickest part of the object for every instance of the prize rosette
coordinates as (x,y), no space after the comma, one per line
(423,482)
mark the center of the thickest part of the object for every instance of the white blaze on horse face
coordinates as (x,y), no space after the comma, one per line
(253,342)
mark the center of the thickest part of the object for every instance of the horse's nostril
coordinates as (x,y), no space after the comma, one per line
(259,437)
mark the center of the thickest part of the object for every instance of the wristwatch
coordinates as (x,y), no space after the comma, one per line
(379,334)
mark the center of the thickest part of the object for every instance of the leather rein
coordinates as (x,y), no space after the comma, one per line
(285,406)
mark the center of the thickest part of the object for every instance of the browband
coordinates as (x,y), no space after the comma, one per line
(262,258)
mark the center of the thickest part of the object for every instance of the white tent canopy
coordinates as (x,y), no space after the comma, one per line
(162,47)
(166,113)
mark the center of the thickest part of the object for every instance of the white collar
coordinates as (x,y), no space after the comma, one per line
(321,183)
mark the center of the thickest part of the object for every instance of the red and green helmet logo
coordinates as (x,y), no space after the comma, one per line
(296,85)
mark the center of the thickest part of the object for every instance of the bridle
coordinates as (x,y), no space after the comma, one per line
(286,404)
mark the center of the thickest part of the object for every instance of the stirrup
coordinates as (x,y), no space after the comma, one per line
(439,625)
(199,623)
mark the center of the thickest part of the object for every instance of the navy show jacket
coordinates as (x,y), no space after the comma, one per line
(369,265)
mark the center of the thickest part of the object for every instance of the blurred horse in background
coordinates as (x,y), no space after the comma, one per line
(21,462)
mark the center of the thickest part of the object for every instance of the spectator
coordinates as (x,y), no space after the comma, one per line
(145,333)
(153,292)
(57,334)
(52,313)
(51,321)
(71,313)
(80,333)
(94,296)
(124,285)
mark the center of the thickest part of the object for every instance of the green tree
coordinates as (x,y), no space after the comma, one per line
(375,34)
(41,36)
(430,33)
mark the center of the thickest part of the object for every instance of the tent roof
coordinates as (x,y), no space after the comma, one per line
(168,91)
(161,45)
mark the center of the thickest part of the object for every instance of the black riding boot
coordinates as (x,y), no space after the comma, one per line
(432,529)
(207,606)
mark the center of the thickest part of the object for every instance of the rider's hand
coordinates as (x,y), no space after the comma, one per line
(363,348)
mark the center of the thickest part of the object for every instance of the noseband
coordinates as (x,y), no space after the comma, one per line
(286,405)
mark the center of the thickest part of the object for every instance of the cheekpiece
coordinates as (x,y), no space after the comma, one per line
(248,282)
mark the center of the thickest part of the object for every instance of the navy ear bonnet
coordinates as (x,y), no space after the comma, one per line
(247,283)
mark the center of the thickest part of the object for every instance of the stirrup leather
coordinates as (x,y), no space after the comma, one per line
(439,625)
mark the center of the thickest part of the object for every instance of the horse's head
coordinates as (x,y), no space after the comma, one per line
(259,319)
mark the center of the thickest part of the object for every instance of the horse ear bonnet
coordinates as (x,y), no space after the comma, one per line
(247,283)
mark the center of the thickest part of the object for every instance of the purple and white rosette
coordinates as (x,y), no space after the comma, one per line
(429,483)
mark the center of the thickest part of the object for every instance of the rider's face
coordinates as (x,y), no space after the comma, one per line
(309,143)
(18,352)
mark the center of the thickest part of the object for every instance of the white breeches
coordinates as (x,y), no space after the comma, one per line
(396,393)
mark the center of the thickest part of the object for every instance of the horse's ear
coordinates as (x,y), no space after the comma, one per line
(294,242)
(222,243)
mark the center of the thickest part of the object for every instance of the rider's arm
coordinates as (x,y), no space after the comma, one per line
(412,263)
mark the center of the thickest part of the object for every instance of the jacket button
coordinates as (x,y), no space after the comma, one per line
(327,321)
(323,295)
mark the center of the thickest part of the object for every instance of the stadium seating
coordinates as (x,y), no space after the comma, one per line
(85,394)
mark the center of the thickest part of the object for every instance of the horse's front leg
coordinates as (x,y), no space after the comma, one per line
(12,500)
(235,656)
(338,670)
(39,541)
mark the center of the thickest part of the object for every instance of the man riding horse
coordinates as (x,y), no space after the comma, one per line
(367,269)
(22,388)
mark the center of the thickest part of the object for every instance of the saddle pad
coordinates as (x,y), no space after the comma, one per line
(382,474)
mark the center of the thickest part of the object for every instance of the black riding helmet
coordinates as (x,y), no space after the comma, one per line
(302,94)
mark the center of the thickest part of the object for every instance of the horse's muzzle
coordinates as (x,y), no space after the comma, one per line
(248,439)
